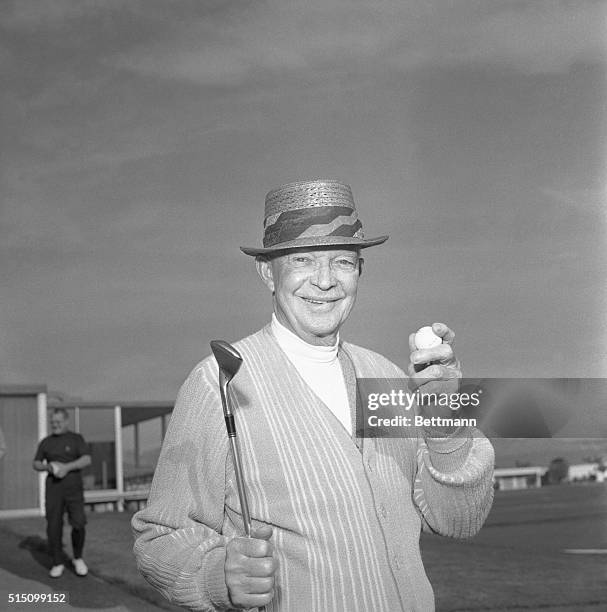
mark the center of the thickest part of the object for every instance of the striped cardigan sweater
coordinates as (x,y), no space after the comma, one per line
(346,513)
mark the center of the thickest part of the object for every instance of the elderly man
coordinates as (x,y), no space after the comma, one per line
(336,518)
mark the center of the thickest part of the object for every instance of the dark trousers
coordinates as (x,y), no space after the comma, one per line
(62,496)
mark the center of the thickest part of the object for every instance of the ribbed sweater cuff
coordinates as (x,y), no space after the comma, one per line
(214,583)
(449,454)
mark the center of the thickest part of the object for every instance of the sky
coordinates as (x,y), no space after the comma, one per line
(139,140)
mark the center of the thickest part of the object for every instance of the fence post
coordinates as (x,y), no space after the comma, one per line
(118,450)
(42,433)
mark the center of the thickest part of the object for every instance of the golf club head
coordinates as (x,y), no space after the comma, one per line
(227,357)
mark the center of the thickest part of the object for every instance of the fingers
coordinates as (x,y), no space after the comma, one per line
(440,329)
(250,567)
(59,470)
(435,378)
(412,346)
(433,372)
(253,600)
(261,567)
(443,354)
(263,532)
(430,366)
(252,547)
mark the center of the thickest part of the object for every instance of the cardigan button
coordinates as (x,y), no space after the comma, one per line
(383,511)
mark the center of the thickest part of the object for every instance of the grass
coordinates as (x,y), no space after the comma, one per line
(516,562)
(108,551)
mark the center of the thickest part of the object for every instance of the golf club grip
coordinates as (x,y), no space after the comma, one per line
(230,425)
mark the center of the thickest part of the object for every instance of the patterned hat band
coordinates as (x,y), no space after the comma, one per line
(312,223)
(311,214)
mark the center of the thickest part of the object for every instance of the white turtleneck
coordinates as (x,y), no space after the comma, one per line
(319,367)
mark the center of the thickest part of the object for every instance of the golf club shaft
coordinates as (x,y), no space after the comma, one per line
(235,445)
(242,494)
(236,456)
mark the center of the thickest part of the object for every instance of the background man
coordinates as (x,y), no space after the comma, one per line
(336,518)
(63,455)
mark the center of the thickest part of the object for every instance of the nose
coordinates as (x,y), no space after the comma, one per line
(324,278)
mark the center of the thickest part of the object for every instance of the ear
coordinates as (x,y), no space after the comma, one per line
(264,269)
(361,261)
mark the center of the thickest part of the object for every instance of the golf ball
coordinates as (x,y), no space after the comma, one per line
(425,338)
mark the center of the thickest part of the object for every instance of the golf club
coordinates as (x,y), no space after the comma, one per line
(229,361)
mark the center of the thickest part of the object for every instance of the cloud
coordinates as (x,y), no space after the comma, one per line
(532,37)
(28,14)
(144,136)
(290,39)
(589,200)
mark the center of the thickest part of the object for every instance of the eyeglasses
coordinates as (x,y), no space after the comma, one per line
(307,262)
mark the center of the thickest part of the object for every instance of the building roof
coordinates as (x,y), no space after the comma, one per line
(519,471)
(21,390)
(132,412)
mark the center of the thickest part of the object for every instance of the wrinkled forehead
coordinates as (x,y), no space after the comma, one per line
(320,252)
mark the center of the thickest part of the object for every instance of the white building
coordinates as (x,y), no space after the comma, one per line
(518,477)
(585,471)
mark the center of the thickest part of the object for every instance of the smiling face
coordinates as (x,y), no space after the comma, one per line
(314,290)
(59,423)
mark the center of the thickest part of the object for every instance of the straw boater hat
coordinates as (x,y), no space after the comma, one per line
(311,214)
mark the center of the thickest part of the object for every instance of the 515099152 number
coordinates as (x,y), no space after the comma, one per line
(57,597)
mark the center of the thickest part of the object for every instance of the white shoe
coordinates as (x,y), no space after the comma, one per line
(80,567)
(56,571)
